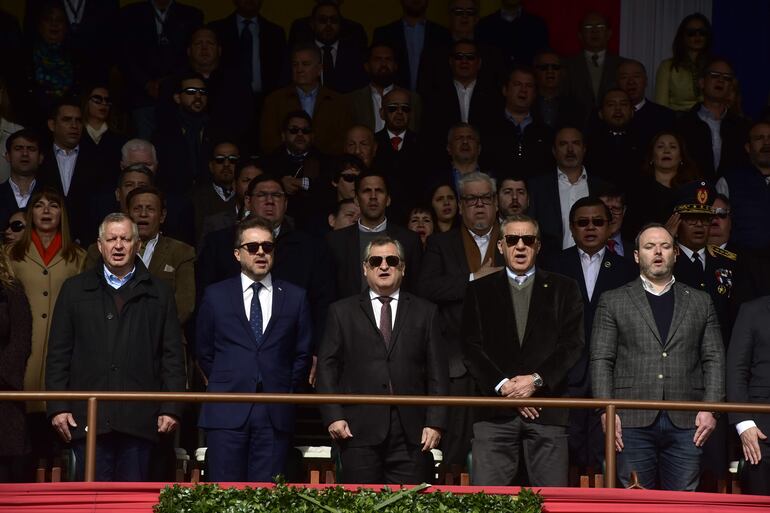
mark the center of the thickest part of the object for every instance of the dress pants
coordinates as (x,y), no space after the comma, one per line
(255,452)
(755,479)
(119,457)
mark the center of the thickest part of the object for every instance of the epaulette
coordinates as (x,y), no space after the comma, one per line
(716,250)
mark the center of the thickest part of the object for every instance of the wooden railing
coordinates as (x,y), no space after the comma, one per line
(610,406)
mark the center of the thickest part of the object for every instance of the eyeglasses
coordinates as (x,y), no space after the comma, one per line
(693,220)
(253,247)
(548,67)
(472,200)
(16,226)
(460,56)
(275,196)
(220,159)
(513,240)
(722,213)
(294,130)
(596,221)
(348,177)
(459,11)
(191,91)
(376,261)
(403,107)
(697,32)
(101,100)
(727,77)
(597,26)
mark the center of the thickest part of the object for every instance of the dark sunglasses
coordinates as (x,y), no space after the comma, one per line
(727,77)
(101,100)
(697,32)
(190,91)
(220,159)
(16,226)
(465,12)
(721,213)
(295,130)
(376,261)
(403,107)
(253,247)
(460,56)
(512,240)
(548,67)
(348,177)
(596,221)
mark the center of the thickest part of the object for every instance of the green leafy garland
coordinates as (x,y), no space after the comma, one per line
(210,498)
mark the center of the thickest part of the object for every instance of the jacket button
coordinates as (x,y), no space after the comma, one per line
(44,315)
(660,376)
(665,355)
(45,292)
(113,367)
(45,271)
(109,316)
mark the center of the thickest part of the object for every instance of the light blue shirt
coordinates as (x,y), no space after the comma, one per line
(115,282)
(256,62)
(415,41)
(307,100)
(524,124)
(519,278)
(716,137)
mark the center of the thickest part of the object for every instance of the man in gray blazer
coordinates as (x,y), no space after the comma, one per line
(657,339)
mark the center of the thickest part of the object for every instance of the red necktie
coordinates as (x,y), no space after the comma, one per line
(611,243)
(395,141)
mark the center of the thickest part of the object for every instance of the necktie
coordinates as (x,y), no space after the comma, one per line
(395,141)
(696,260)
(595,59)
(246,51)
(255,318)
(611,245)
(386,319)
(328,62)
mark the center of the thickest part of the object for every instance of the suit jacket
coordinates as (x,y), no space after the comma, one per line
(748,361)
(172,262)
(181,165)
(233,361)
(649,120)
(616,159)
(344,246)
(215,222)
(407,180)
(301,32)
(614,271)
(524,155)
(444,278)
(362,109)
(519,40)
(630,361)
(304,205)
(8,203)
(577,83)
(752,278)
(272,48)
(435,70)
(348,71)
(353,359)
(330,119)
(207,202)
(552,343)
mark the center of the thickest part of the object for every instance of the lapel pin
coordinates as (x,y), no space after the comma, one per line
(607,264)
(545,285)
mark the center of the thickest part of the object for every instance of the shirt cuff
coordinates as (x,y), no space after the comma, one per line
(500,385)
(470,277)
(743,426)
(305,183)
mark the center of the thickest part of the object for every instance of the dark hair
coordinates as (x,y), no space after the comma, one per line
(252,221)
(679,52)
(713,60)
(591,13)
(301,114)
(346,161)
(205,28)
(222,141)
(136,168)
(307,47)
(24,133)
(612,90)
(146,189)
(422,208)
(69,250)
(369,173)
(63,102)
(611,191)
(646,227)
(324,3)
(335,210)
(688,170)
(248,162)
(521,68)
(264,177)
(589,201)
(379,44)
(190,75)
(633,61)
(465,42)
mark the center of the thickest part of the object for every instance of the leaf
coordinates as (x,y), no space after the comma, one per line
(400,495)
(314,501)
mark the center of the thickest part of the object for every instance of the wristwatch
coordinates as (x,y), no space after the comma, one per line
(537,380)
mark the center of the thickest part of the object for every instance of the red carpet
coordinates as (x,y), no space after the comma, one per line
(140,497)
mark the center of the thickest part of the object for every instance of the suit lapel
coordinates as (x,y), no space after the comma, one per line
(576,269)
(159,256)
(637,294)
(681,305)
(459,251)
(603,277)
(366,307)
(540,292)
(504,299)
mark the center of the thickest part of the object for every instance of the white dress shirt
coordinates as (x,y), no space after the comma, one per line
(569,193)
(221,193)
(402,135)
(379,123)
(591,265)
(482,242)
(689,253)
(379,228)
(149,250)
(377,307)
(464,94)
(21,198)
(265,297)
(649,287)
(589,57)
(67,159)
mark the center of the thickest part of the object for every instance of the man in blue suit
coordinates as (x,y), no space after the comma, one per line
(253,335)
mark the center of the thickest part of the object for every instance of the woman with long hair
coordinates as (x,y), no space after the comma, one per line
(676,84)
(444,202)
(42,260)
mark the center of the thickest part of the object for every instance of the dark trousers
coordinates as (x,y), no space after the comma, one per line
(255,452)
(456,440)
(755,479)
(394,461)
(586,437)
(119,457)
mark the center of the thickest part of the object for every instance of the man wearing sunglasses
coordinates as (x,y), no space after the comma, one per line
(218,193)
(253,335)
(522,332)
(552,104)
(22,151)
(518,33)
(383,341)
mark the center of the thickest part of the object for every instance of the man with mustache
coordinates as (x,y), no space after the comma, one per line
(512,197)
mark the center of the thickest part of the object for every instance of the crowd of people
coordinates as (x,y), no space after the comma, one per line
(436,211)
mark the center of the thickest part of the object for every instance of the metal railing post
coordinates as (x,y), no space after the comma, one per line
(609,447)
(91,441)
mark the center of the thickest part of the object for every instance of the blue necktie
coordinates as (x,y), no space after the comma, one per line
(255,318)
(247,51)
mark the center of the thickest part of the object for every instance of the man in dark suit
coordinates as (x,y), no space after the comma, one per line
(596,270)
(22,151)
(649,117)
(452,260)
(617,242)
(553,105)
(522,331)
(410,36)
(348,245)
(217,194)
(655,339)
(516,32)
(747,369)
(594,70)
(301,30)
(253,335)
(383,341)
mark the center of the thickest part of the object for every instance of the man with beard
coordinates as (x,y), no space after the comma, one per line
(654,339)
(218,195)
(512,197)
(22,151)
(365,103)
(649,117)
(463,147)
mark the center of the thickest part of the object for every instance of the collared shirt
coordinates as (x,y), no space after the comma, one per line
(619,250)
(256,61)
(307,100)
(689,253)
(569,193)
(96,133)
(600,60)
(524,122)
(379,228)
(75,10)
(334,46)
(379,123)
(160,17)
(591,265)
(464,94)
(649,287)
(377,307)
(149,250)
(520,278)
(456,175)
(265,297)
(22,198)
(714,125)
(415,41)
(66,160)
(115,282)
(482,241)
(510,16)
(639,105)
(391,135)
(221,192)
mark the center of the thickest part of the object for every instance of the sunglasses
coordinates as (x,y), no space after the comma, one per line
(220,159)
(727,77)
(295,130)
(695,219)
(403,107)
(721,213)
(253,247)
(596,221)
(598,26)
(350,178)
(191,91)
(460,56)
(376,261)
(548,67)
(513,240)
(16,226)
(101,100)
(464,12)
(697,32)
